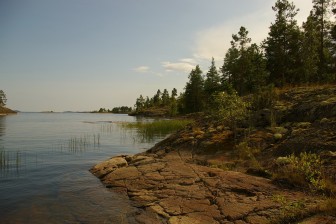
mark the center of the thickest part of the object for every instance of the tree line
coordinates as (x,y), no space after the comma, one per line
(159,100)
(289,55)
(115,110)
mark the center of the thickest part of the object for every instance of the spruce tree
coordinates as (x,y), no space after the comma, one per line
(194,93)
(165,97)
(310,51)
(212,83)
(282,46)
(157,98)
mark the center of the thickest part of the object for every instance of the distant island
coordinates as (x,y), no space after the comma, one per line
(115,110)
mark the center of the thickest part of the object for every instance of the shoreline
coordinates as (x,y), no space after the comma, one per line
(167,187)
(6,111)
(208,173)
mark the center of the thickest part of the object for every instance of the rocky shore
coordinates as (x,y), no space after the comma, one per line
(6,111)
(168,189)
(198,175)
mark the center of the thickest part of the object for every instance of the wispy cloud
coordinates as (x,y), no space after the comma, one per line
(147,70)
(142,69)
(183,65)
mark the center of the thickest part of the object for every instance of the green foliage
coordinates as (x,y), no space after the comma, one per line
(320,14)
(139,104)
(247,154)
(3,98)
(230,108)
(165,97)
(159,100)
(212,83)
(264,98)
(305,170)
(121,110)
(310,50)
(309,165)
(290,55)
(244,65)
(194,92)
(282,45)
(146,131)
(290,211)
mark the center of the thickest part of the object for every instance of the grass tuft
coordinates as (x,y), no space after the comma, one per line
(147,131)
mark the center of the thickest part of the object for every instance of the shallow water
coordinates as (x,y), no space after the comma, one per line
(44,163)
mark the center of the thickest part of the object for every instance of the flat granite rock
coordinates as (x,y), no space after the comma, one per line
(170,189)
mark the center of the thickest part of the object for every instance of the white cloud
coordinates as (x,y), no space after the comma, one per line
(215,41)
(188,60)
(147,70)
(142,69)
(183,65)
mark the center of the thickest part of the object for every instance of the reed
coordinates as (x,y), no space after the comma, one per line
(106,128)
(10,161)
(82,143)
(77,144)
(148,131)
(96,139)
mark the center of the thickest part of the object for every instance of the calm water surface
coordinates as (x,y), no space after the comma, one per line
(44,163)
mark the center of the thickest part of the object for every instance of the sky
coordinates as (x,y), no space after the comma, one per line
(81,55)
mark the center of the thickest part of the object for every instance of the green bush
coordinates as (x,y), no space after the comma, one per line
(229,108)
(304,170)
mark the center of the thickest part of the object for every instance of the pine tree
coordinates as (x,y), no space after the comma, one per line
(212,83)
(139,104)
(244,65)
(230,67)
(320,12)
(256,69)
(165,97)
(3,98)
(174,94)
(234,68)
(194,93)
(282,46)
(157,98)
(310,51)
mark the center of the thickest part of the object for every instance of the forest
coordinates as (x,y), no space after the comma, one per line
(291,55)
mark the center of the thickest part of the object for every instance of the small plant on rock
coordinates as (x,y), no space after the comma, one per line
(230,109)
(304,170)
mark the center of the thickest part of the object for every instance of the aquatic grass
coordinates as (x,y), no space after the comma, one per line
(147,131)
(96,139)
(107,128)
(82,143)
(10,161)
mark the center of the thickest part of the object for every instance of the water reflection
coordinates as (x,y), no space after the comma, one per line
(2,126)
(44,175)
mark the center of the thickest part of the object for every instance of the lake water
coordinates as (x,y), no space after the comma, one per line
(44,163)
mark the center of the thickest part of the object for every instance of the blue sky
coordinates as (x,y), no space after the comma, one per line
(81,55)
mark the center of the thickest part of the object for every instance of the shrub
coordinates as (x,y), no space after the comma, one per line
(229,108)
(304,170)
(264,98)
